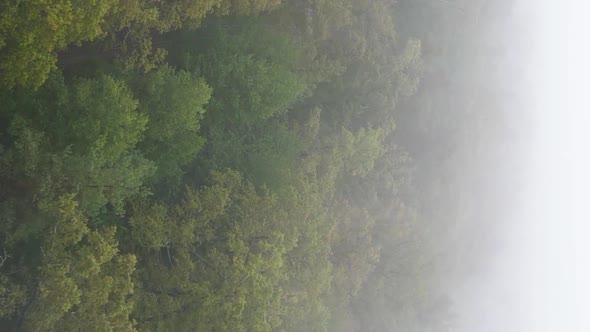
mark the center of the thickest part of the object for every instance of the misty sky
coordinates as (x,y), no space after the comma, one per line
(536,278)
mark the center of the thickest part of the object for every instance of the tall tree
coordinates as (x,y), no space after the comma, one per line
(32,32)
(83,283)
(175,103)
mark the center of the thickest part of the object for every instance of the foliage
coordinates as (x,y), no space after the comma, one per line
(231,165)
(174,102)
(31,33)
(78,138)
(249,84)
(83,282)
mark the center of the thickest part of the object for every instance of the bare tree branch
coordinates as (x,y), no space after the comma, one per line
(4,258)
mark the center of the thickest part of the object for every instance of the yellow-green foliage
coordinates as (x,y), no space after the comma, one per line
(83,282)
(31,32)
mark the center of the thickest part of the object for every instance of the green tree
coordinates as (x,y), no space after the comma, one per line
(265,153)
(83,282)
(78,138)
(253,88)
(250,83)
(174,101)
(31,33)
(220,262)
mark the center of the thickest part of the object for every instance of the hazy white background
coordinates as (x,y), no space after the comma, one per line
(557,208)
(538,280)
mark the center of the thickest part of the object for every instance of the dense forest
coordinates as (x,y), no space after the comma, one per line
(240,165)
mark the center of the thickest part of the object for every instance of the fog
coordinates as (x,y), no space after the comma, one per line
(290,165)
(535,277)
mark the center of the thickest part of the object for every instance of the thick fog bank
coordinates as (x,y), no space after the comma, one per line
(530,252)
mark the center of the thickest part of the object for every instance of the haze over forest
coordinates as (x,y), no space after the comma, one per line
(262,165)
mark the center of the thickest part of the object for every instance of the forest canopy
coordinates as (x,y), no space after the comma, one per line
(228,165)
